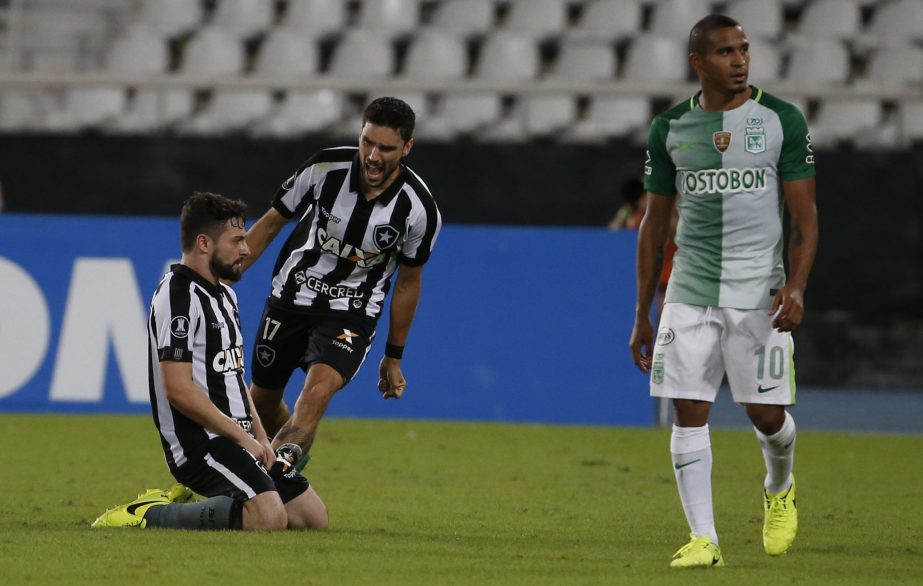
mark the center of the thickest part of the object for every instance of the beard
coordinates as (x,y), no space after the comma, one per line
(225,271)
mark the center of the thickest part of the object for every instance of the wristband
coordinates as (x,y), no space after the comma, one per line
(393,351)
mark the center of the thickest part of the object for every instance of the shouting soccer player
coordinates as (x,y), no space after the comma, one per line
(362,215)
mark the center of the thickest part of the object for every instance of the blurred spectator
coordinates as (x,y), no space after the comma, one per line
(634,201)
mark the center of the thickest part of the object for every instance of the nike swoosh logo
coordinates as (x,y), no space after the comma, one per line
(135,506)
(684,145)
(761,389)
(683,465)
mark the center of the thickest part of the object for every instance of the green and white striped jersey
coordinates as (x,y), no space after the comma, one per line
(728,168)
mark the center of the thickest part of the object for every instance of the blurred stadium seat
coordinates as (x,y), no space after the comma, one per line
(656,58)
(390,18)
(315,18)
(171,18)
(761,19)
(464,17)
(507,56)
(435,55)
(537,18)
(362,55)
(286,53)
(676,17)
(243,18)
(609,20)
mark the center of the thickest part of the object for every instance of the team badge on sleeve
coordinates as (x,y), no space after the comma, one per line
(179,327)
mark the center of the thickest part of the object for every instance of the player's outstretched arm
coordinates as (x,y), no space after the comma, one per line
(261,234)
(788,303)
(652,235)
(407,287)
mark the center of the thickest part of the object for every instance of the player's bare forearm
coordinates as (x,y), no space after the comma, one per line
(803,237)
(292,434)
(652,235)
(404,303)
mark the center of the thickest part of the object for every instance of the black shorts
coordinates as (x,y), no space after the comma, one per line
(288,339)
(225,468)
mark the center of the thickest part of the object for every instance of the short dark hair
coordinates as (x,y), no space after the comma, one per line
(698,36)
(393,113)
(207,213)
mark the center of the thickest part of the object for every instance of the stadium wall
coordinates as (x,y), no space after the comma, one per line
(515,324)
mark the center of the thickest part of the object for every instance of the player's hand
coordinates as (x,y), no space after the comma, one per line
(391,383)
(262,451)
(787,308)
(641,344)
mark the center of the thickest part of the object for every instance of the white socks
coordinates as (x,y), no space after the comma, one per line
(779,454)
(691,451)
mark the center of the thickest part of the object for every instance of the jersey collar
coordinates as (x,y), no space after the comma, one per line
(192,275)
(755,94)
(386,195)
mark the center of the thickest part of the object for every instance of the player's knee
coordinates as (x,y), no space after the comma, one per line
(766,418)
(265,512)
(307,511)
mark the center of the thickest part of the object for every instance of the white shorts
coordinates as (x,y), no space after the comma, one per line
(696,345)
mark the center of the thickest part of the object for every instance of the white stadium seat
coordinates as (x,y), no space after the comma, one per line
(656,58)
(835,19)
(213,51)
(609,20)
(315,17)
(461,113)
(676,17)
(171,17)
(585,60)
(362,55)
(845,119)
(547,114)
(302,112)
(760,19)
(435,55)
(765,62)
(464,17)
(139,50)
(507,56)
(896,63)
(286,53)
(152,110)
(86,107)
(228,111)
(389,17)
(611,116)
(818,62)
(243,18)
(900,20)
(911,120)
(537,18)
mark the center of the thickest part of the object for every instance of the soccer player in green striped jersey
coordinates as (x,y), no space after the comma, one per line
(731,160)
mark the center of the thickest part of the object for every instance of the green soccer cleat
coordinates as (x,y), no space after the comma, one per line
(132,514)
(780,521)
(701,552)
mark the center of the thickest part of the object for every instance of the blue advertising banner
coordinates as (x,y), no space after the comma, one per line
(514,324)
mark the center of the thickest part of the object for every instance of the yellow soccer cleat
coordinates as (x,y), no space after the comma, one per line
(780,521)
(132,514)
(179,493)
(701,552)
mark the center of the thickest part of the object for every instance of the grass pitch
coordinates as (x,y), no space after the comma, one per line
(458,503)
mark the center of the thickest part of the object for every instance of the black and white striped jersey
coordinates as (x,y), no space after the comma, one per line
(192,320)
(343,251)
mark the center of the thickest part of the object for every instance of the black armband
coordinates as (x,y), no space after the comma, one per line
(393,351)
